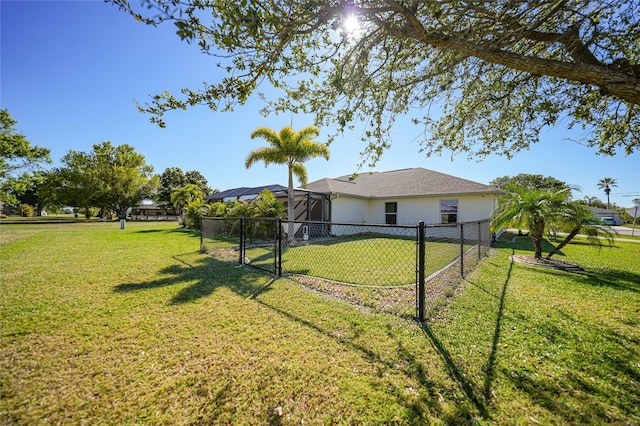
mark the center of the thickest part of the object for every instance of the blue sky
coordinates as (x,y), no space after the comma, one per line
(70,73)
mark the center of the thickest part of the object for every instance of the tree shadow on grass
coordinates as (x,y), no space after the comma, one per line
(205,274)
(526,244)
(187,232)
(594,370)
(616,279)
(479,395)
(587,371)
(593,378)
(407,363)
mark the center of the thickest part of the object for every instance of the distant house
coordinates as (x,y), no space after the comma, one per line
(406,196)
(609,217)
(153,211)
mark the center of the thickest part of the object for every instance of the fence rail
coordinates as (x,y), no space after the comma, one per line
(409,270)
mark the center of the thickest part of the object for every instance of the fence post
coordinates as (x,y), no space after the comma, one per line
(479,240)
(279,238)
(241,259)
(421,256)
(462,250)
(201,239)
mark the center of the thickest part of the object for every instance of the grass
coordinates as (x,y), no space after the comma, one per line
(363,259)
(102,325)
(62,218)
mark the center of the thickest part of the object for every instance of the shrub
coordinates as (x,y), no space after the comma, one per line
(25,210)
(193,214)
(267,205)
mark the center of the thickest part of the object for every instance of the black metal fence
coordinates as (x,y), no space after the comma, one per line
(408,270)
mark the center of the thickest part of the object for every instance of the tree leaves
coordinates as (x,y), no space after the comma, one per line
(16,155)
(479,77)
(110,177)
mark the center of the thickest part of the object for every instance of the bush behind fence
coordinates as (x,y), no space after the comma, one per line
(373,265)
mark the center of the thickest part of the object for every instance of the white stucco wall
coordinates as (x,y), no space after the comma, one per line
(471,208)
(349,210)
(410,210)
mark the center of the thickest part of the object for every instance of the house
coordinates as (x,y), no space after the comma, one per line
(609,217)
(406,196)
(153,211)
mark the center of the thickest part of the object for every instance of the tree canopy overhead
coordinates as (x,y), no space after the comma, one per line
(477,77)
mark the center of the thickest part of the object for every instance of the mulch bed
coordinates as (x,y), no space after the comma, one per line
(399,300)
(552,263)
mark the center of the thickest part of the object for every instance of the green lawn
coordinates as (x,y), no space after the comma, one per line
(102,325)
(62,218)
(363,259)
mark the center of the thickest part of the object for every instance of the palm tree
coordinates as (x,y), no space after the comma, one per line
(606,184)
(590,200)
(182,197)
(291,148)
(577,218)
(529,208)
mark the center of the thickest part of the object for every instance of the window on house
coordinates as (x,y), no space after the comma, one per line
(448,211)
(391,213)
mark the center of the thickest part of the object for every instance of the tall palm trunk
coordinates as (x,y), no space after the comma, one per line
(290,148)
(290,206)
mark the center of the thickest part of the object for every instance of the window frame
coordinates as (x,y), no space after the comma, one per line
(391,217)
(447,214)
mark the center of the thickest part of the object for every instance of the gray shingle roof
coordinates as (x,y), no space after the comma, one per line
(245,191)
(599,210)
(401,183)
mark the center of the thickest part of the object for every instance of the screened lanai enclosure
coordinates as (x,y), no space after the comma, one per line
(309,206)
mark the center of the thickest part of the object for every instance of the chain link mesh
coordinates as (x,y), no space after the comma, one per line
(261,244)
(371,265)
(451,252)
(220,237)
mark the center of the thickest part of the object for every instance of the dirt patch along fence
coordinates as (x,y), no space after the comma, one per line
(410,270)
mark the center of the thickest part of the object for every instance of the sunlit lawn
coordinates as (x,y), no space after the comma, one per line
(102,325)
(375,260)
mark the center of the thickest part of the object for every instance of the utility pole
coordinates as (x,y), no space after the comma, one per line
(636,202)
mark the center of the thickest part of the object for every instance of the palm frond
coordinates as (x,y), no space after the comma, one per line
(269,135)
(288,147)
(300,171)
(267,154)
(308,149)
(307,133)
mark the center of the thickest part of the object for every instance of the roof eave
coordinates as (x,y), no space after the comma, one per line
(443,194)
